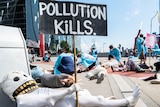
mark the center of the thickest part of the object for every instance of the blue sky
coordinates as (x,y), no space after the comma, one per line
(124,18)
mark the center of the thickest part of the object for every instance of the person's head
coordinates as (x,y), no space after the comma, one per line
(60,51)
(141,35)
(144,38)
(79,54)
(111,47)
(68,81)
(66,50)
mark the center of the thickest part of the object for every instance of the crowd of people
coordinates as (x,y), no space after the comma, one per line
(88,62)
(64,70)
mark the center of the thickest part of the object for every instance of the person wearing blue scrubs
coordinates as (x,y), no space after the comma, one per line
(156,50)
(140,48)
(94,52)
(87,60)
(64,63)
(115,53)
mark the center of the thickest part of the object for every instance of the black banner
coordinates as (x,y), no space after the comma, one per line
(68,18)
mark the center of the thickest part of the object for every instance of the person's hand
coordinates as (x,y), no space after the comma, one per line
(132,100)
(75,87)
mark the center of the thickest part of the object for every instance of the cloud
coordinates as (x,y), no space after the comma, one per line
(131,14)
(136,12)
(126,18)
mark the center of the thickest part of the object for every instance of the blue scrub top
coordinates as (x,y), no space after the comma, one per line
(116,53)
(140,46)
(87,59)
(58,62)
(94,53)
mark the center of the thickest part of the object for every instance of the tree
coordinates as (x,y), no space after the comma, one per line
(64,45)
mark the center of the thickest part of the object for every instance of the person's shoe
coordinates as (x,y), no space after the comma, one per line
(93,77)
(79,71)
(100,79)
(112,69)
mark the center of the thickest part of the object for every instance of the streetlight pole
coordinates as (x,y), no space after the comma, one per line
(159,17)
(151,21)
(103,47)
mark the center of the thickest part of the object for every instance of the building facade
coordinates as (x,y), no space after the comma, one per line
(25,15)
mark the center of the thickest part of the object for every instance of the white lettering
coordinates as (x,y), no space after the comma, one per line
(57,27)
(51,9)
(82,9)
(88,12)
(86,25)
(57,10)
(71,27)
(79,28)
(102,13)
(94,12)
(65,10)
(42,7)
(74,9)
(66,26)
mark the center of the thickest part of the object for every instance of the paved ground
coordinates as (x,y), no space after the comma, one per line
(117,85)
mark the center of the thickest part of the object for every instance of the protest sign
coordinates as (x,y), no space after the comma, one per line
(72,18)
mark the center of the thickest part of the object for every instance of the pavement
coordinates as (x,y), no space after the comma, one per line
(115,85)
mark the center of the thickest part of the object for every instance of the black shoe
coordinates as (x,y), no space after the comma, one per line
(100,79)
(112,69)
(151,78)
(93,77)
(79,71)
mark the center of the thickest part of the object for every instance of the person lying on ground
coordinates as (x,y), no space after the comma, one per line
(113,64)
(57,81)
(98,72)
(51,80)
(157,66)
(132,66)
(64,63)
(154,77)
(87,61)
(23,89)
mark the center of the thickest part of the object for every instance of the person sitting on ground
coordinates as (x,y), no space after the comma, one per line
(48,79)
(22,89)
(98,72)
(87,61)
(132,66)
(64,63)
(157,67)
(46,57)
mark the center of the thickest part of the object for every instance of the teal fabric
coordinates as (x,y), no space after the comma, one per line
(140,46)
(58,62)
(116,53)
(87,59)
(37,72)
